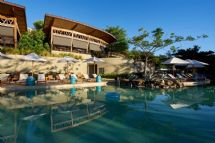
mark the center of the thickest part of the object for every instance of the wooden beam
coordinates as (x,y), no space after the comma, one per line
(75,26)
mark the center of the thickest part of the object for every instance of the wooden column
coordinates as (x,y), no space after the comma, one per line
(15,33)
(51,40)
(88,46)
(72,42)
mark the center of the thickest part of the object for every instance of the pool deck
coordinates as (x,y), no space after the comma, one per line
(51,86)
(196,83)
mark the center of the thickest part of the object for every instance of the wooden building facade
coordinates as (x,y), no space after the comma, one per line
(70,36)
(12,23)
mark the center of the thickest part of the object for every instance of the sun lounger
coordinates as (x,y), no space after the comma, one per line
(180,76)
(94,75)
(185,76)
(4,78)
(22,78)
(41,78)
(171,76)
(62,78)
(87,78)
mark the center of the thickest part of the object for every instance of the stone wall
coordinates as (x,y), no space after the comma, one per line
(121,65)
(16,64)
(111,65)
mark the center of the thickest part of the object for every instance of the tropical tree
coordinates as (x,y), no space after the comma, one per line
(33,41)
(38,25)
(151,42)
(121,45)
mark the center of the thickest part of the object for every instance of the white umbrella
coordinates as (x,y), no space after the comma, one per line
(33,58)
(94,60)
(175,61)
(196,64)
(68,60)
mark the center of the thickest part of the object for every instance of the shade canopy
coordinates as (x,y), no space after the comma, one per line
(68,59)
(94,60)
(175,61)
(34,58)
(196,64)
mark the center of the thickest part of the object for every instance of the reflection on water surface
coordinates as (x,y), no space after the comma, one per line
(108,114)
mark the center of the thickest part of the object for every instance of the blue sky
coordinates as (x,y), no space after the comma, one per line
(183,17)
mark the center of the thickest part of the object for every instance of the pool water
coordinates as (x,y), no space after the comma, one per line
(108,115)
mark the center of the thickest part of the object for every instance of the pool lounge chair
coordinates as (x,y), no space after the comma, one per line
(62,78)
(94,75)
(41,78)
(22,78)
(180,76)
(171,76)
(87,78)
(4,78)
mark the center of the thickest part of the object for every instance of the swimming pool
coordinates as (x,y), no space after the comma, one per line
(108,114)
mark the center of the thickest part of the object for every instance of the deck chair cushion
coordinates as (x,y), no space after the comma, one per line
(62,76)
(94,75)
(23,76)
(41,77)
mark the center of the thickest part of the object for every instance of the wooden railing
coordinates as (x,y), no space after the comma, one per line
(77,35)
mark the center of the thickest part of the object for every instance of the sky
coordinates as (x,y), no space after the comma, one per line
(183,17)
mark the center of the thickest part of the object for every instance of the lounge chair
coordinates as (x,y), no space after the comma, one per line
(180,76)
(87,78)
(171,76)
(94,75)
(185,76)
(4,78)
(22,78)
(41,78)
(62,78)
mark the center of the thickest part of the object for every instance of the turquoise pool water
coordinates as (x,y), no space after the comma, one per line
(108,115)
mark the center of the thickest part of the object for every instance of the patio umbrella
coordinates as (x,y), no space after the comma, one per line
(94,60)
(175,61)
(68,60)
(33,58)
(196,64)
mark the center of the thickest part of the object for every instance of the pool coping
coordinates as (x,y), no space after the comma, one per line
(58,86)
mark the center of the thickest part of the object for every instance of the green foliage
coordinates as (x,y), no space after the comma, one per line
(121,45)
(8,50)
(33,41)
(151,42)
(67,54)
(38,25)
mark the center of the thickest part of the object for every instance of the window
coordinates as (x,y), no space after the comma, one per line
(101,70)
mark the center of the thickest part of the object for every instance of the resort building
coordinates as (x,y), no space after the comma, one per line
(12,23)
(68,36)
(64,36)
